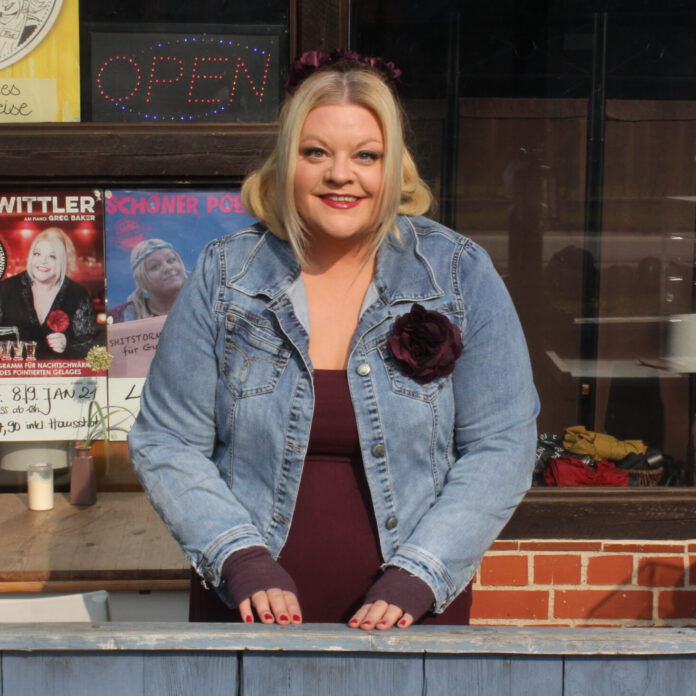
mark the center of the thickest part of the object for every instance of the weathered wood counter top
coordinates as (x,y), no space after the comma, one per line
(128,659)
(117,544)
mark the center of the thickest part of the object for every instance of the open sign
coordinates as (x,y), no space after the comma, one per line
(184,77)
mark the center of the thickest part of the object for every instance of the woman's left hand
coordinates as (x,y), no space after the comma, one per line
(57,342)
(381,616)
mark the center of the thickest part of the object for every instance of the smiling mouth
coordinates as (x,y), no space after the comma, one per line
(341,202)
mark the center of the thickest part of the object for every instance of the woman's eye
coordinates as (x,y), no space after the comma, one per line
(368,156)
(313,152)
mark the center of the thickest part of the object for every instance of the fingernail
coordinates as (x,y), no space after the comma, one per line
(283,617)
(249,618)
(402,623)
(367,623)
(268,617)
(353,622)
(296,617)
(382,623)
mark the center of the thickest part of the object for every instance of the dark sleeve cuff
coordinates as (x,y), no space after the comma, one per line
(397,586)
(251,570)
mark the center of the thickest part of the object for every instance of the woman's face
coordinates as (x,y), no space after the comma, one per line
(339,171)
(164,273)
(45,262)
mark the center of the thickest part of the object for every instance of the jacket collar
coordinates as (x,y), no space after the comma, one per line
(403,273)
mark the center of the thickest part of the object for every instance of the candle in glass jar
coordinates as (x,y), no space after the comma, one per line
(40,486)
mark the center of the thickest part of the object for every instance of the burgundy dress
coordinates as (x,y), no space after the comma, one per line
(332,551)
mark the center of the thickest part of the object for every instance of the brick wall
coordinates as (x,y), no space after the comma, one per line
(587,583)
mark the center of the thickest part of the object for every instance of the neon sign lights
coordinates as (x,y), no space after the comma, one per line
(184,77)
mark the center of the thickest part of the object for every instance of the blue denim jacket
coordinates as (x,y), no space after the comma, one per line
(225,415)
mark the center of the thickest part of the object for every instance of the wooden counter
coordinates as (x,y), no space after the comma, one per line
(117,544)
(122,659)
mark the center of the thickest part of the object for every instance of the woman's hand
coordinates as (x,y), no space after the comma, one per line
(381,616)
(272,606)
(57,342)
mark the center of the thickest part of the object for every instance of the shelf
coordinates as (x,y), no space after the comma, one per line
(107,154)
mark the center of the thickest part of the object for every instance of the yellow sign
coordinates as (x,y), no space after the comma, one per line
(39,42)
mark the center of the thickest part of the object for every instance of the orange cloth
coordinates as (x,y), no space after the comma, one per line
(579,440)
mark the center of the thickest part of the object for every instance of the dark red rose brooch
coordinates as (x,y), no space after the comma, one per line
(426,344)
(58,320)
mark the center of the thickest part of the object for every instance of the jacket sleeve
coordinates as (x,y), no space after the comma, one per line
(174,436)
(494,439)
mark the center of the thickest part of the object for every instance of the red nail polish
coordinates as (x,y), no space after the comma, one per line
(382,623)
(296,617)
(268,617)
(402,623)
(367,623)
(283,617)
(353,622)
(249,618)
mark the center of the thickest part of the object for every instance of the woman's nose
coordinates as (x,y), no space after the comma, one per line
(339,171)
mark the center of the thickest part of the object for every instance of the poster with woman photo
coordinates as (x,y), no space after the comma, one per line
(52,310)
(153,239)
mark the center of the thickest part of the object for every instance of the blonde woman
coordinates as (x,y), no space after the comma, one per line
(356,418)
(45,304)
(158,273)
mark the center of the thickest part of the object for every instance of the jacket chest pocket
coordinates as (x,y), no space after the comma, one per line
(254,357)
(405,386)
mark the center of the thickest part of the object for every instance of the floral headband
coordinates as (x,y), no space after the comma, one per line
(310,61)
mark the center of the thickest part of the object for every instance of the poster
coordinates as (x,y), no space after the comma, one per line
(39,61)
(153,239)
(52,312)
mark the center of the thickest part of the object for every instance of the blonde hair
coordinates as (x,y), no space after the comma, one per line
(138,298)
(268,193)
(64,248)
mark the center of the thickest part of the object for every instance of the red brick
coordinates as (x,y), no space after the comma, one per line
(560,545)
(557,569)
(692,548)
(505,546)
(676,604)
(603,604)
(504,570)
(510,604)
(661,571)
(644,548)
(610,570)
(692,570)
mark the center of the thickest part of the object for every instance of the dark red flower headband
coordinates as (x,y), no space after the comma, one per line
(311,61)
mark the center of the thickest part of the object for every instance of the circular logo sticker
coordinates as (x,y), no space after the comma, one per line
(23,26)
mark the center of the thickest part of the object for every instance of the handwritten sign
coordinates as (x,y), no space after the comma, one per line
(53,408)
(25,100)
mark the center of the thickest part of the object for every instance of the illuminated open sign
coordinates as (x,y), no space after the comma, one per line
(184,77)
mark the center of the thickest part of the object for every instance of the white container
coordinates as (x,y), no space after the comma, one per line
(40,486)
(681,341)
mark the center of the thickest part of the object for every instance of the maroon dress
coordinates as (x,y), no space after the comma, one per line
(332,551)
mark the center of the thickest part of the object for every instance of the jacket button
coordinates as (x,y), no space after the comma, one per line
(378,450)
(363,369)
(391,523)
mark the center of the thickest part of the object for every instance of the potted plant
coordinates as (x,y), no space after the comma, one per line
(83,484)
(100,423)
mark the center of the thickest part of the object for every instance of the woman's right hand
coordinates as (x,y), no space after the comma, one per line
(272,606)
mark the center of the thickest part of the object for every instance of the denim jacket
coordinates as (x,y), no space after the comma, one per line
(225,416)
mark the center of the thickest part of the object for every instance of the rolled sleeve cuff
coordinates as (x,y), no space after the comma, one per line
(432,571)
(209,564)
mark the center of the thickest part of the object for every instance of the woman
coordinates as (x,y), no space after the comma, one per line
(362,420)
(45,304)
(159,273)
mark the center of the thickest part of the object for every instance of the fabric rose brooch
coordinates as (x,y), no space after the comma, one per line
(426,344)
(58,320)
